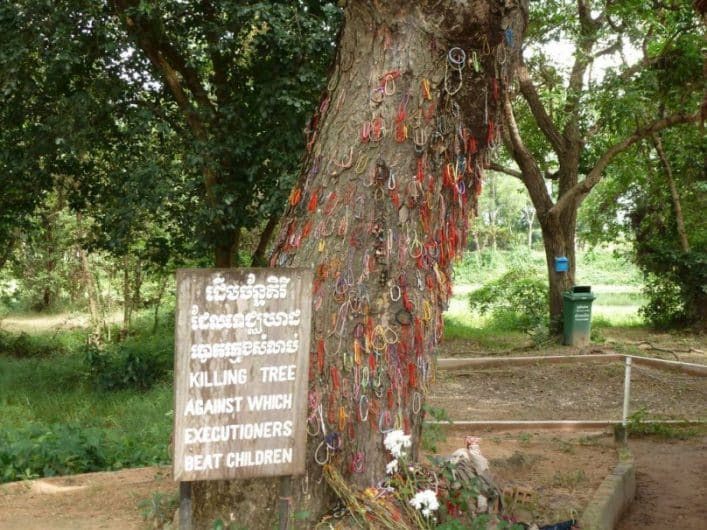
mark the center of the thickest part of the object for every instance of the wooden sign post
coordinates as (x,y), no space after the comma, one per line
(241,369)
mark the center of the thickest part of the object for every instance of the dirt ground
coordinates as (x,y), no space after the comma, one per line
(82,502)
(567,392)
(553,475)
(671,485)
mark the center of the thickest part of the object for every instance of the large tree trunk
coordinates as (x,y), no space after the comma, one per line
(395,158)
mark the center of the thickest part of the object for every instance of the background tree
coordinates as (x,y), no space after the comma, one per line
(394,162)
(210,100)
(654,197)
(242,74)
(566,129)
(502,219)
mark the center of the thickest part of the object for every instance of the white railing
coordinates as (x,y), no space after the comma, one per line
(454,363)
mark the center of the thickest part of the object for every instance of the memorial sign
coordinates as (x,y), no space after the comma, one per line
(241,369)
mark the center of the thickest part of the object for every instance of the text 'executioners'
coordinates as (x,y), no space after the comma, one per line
(238,431)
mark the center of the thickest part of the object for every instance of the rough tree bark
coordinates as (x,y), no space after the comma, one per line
(394,163)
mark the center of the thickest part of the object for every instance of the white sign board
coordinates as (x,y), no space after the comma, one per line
(241,369)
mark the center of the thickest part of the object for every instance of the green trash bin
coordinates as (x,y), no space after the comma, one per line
(577,315)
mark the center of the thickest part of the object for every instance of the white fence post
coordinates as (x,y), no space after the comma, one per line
(627,394)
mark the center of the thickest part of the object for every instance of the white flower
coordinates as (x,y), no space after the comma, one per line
(426,501)
(395,441)
(392,467)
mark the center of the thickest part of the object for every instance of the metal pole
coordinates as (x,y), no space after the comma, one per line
(185,506)
(285,498)
(627,395)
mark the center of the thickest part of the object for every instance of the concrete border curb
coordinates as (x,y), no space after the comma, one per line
(613,497)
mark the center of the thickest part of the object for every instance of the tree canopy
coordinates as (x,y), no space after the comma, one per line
(185,116)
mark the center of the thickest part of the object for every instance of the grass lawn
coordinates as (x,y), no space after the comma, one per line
(55,421)
(616,284)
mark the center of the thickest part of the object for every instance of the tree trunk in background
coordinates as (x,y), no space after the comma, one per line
(226,249)
(132,286)
(163,278)
(94,304)
(557,243)
(493,212)
(675,196)
(529,213)
(393,167)
(127,297)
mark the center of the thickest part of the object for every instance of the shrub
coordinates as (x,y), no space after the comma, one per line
(131,364)
(24,346)
(518,300)
(56,450)
(62,449)
(676,288)
(666,305)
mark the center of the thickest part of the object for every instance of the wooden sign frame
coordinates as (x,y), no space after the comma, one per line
(241,366)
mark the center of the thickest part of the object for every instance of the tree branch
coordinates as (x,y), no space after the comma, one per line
(637,67)
(258,259)
(158,112)
(218,59)
(531,96)
(508,171)
(612,48)
(164,56)
(173,68)
(580,190)
(175,87)
(189,74)
(588,34)
(530,172)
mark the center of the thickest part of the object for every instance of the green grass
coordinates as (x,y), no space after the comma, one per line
(489,337)
(615,310)
(594,267)
(42,344)
(615,282)
(54,420)
(612,309)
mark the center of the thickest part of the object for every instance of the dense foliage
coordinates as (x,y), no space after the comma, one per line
(132,364)
(646,205)
(63,415)
(38,450)
(173,125)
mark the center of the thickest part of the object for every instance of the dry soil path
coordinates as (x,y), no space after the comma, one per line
(671,485)
(90,501)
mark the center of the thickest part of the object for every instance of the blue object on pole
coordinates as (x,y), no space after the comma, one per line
(562,264)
